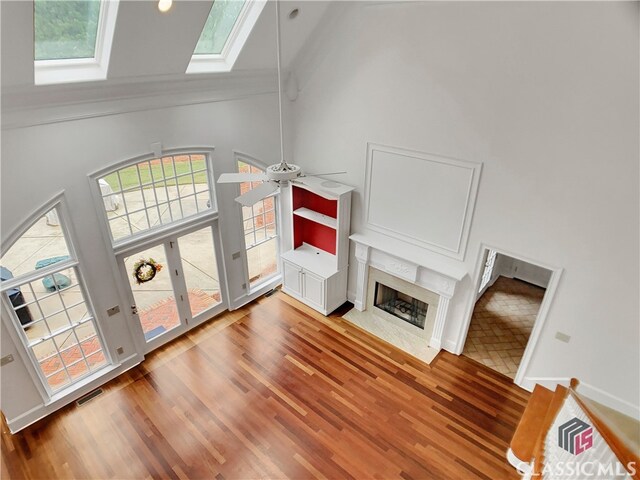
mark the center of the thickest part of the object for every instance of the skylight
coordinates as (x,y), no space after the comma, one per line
(227,28)
(65,30)
(72,39)
(222,18)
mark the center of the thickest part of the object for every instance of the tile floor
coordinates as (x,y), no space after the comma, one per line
(501,324)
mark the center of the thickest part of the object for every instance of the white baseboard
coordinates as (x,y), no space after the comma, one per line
(31,416)
(609,400)
(351,296)
(450,346)
(588,391)
(242,300)
(548,382)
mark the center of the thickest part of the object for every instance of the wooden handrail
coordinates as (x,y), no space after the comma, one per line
(523,442)
(560,395)
(623,452)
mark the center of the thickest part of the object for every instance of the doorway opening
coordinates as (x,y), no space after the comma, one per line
(510,295)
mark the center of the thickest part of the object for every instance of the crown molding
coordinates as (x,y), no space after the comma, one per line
(30,105)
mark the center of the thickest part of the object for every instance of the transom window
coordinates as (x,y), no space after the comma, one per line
(260,232)
(154,193)
(41,285)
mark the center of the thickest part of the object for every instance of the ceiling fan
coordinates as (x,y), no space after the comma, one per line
(275,175)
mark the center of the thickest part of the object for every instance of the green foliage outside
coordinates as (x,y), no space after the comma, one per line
(129,175)
(222,18)
(65,29)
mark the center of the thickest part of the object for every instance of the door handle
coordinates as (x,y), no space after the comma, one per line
(134,309)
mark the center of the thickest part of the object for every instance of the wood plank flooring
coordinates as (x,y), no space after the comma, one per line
(275,390)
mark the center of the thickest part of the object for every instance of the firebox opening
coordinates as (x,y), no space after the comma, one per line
(400,305)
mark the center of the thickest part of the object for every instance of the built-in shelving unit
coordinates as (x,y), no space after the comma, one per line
(316,217)
(315,269)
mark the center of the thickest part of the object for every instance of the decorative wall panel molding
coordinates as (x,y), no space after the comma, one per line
(421,198)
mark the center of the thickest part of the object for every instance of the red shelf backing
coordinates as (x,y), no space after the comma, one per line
(312,201)
(316,234)
(308,231)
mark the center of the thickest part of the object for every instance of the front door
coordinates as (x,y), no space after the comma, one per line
(174,284)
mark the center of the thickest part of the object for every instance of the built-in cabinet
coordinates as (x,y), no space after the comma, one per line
(315,270)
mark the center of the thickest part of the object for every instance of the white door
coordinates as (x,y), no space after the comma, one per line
(488,269)
(314,289)
(177,285)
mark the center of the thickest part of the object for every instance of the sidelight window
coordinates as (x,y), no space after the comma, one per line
(42,289)
(260,232)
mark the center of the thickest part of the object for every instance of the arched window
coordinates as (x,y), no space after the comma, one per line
(42,289)
(151,193)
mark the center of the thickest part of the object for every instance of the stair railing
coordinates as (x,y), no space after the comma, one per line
(574,436)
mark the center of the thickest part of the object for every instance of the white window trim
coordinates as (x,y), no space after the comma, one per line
(242,157)
(157,232)
(224,61)
(49,72)
(11,321)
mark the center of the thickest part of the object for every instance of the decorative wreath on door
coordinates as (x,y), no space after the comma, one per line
(145,270)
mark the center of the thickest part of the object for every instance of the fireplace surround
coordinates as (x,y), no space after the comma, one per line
(382,261)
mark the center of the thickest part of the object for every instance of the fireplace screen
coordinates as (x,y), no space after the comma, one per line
(400,305)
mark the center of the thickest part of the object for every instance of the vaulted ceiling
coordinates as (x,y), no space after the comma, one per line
(151,49)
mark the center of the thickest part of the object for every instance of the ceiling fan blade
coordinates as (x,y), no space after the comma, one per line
(241,177)
(256,194)
(320,174)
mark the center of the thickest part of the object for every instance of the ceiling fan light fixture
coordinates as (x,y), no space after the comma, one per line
(283,172)
(165,5)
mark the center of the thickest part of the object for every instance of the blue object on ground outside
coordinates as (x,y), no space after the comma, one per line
(154,333)
(59,280)
(17,300)
(5,274)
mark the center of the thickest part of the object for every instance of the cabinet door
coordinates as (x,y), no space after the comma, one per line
(314,289)
(291,277)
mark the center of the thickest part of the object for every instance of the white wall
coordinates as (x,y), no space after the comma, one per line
(509,267)
(545,94)
(534,274)
(40,161)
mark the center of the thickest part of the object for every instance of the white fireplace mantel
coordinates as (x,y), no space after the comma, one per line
(383,254)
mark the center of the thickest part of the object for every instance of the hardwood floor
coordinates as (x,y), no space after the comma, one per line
(275,390)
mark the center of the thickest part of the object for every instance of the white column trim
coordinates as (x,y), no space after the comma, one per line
(441,318)
(362,256)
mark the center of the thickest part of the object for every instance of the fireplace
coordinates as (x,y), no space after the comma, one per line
(413,272)
(400,305)
(407,309)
